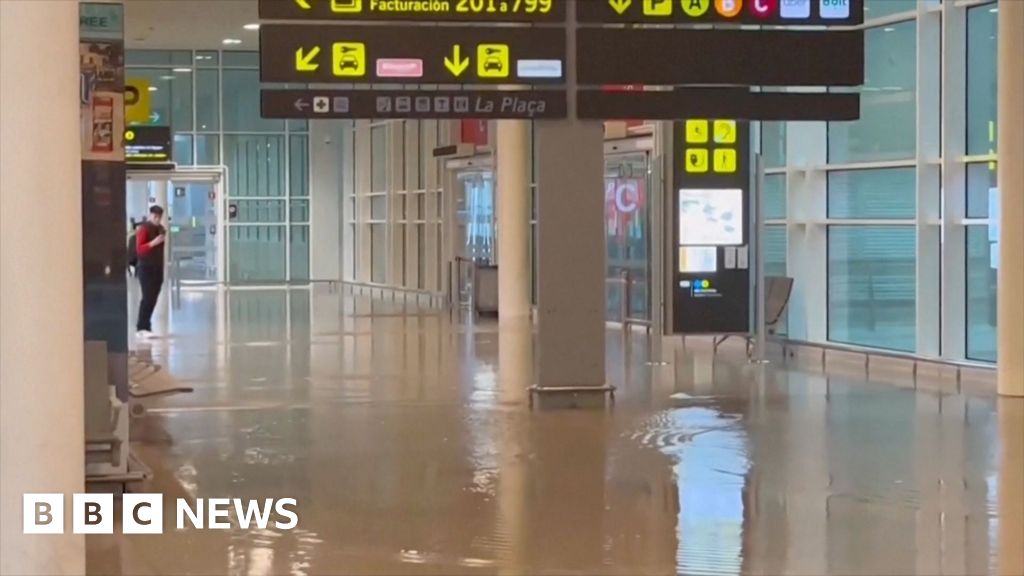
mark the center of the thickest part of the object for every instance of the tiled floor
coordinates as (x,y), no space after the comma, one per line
(409,443)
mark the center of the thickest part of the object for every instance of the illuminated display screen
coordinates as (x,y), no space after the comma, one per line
(147,144)
(425,10)
(710,217)
(698,259)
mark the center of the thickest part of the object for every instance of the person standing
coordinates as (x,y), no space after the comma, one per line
(149,246)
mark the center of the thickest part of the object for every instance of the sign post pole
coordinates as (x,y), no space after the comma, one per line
(760,321)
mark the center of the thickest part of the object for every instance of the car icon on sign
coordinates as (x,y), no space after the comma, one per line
(492,61)
(349,59)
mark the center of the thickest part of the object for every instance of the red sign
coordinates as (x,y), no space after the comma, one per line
(764,9)
(474,132)
(624,202)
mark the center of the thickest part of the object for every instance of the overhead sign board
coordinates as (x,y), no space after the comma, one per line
(731,102)
(415,10)
(411,54)
(751,12)
(675,56)
(417,104)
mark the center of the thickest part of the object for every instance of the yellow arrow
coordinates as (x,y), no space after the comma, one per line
(304,4)
(456,64)
(304,61)
(619,6)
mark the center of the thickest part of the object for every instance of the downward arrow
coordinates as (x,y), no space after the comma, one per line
(304,4)
(304,61)
(456,64)
(619,6)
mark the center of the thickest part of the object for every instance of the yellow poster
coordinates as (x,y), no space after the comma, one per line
(136,101)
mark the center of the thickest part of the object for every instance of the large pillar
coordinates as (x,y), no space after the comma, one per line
(1011,192)
(325,139)
(513,203)
(41,295)
(570,255)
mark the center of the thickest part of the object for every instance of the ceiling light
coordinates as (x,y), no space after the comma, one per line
(183,70)
(153,88)
(888,29)
(231,41)
(251,26)
(167,77)
(994,10)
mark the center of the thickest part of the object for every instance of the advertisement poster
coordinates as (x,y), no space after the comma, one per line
(102,100)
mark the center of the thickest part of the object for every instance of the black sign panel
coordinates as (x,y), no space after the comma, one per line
(147,144)
(755,12)
(416,10)
(412,54)
(739,103)
(710,219)
(385,104)
(728,57)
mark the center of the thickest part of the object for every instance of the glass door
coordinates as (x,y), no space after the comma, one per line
(193,231)
(475,217)
(627,236)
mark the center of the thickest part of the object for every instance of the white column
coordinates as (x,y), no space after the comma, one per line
(41,336)
(325,144)
(513,202)
(1011,189)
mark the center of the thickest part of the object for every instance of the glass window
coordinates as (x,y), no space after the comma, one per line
(880,8)
(241,59)
(886,128)
(242,91)
(378,253)
(773,144)
(299,246)
(207,150)
(298,158)
(158,58)
(299,211)
(981,183)
(182,153)
(378,207)
(170,96)
(982,309)
(256,253)
(255,165)
(207,59)
(775,250)
(775,197)
(207,100)
(872,286)
(982,81)
(379,158)
(427,128)
(298,125)
(872,193)
(258,211)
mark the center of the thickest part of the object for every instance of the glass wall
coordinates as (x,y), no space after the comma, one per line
(900,233)
(210,99)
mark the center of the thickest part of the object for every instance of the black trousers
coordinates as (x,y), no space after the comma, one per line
(151,279)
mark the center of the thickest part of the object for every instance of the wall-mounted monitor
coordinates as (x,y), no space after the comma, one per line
(710,217)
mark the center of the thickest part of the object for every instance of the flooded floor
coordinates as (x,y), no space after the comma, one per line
(409,443)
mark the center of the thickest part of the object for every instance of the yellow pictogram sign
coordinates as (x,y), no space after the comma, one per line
(696,131)
(696,160)
(346,6)
(620,6)
(349,59)
(136,101)
(492,61)
(725,131)
(725,160)
(129,135)
(695,8)
(455,63)
(657,7)
(305,60)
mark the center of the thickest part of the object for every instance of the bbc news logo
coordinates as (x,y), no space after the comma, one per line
(144,513)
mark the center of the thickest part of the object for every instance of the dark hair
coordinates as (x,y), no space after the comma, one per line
(156,210)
